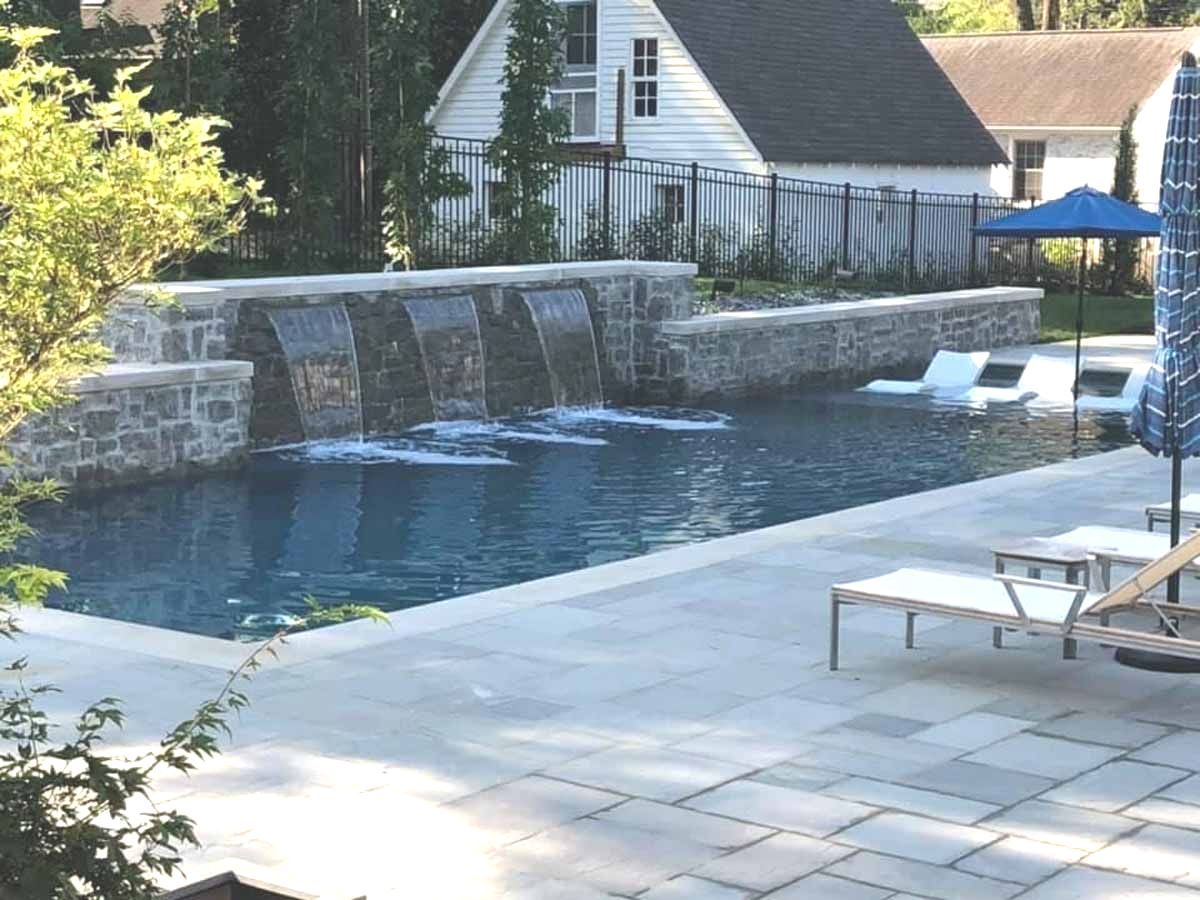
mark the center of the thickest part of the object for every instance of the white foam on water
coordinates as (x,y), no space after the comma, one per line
(406,452)
(664,419)
(500,432)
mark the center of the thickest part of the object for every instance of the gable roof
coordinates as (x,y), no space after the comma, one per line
(135,12)
(831,81)
(1083,79)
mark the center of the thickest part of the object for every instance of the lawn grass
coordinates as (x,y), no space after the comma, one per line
(1101,315)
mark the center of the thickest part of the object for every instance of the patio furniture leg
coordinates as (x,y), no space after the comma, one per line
(1070,646)
(834,610)
(909,621)
(998,638)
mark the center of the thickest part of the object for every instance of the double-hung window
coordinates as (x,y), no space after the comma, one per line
(1029,163)
(645,78)
(576,91)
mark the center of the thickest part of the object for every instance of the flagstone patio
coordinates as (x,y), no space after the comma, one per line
(667,728)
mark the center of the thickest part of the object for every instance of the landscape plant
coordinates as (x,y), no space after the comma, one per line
(1120,257)
(527,151)
(96,192)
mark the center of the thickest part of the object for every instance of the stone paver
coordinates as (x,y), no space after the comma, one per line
(655,773)
(1166,812)
(1076,883)
(972,731)
(921,878)
(889,726)
(774,862)
(1099,729)
(928,701)
(913,800)
(980,782)
(529,805)
(916,837)
(686,887)
(1019,859)
(1067,826)
(1157,851)
(1045,756)
(826,887)
(780,807)
(1186,791)
(1114,785)
(1181,750)
(659,818)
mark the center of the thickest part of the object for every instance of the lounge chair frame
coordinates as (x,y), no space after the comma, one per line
(1130,595)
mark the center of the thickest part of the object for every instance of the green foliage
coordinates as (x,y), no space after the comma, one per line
(1120,257)
(526,152)
(416,167)
(193,75)
(964,16)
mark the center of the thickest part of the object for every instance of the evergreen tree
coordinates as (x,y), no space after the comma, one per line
(193,75)
(1120,257)
(526,152)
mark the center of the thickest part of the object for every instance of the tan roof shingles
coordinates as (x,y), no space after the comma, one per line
(1060,78)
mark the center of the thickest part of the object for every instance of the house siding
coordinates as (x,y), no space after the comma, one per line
(1073,159)
(934,179)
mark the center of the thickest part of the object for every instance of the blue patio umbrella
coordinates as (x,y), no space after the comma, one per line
(1083,213)
(1167,418)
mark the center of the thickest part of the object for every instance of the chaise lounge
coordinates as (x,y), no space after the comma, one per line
(1025,604)
(1045,379)
(948,371)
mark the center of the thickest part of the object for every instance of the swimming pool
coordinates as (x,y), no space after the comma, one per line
(454,509)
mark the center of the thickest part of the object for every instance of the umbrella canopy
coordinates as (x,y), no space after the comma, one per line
(1083,213)
(1167,418)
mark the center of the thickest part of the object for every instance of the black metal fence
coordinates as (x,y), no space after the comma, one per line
(731,223)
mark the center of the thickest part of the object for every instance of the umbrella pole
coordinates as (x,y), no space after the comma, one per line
(1079,313)
(1176,493)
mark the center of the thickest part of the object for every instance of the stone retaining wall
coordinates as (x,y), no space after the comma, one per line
(747,353)
(138,421)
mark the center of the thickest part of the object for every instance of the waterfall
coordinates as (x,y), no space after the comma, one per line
(319,345)
(452,352)
(564,327)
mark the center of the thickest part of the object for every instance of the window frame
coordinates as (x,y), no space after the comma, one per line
(646,83)
(584,70)
(1022,171)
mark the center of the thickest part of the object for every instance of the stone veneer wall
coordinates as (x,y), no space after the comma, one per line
(136,421)
(627,302)
(733,354)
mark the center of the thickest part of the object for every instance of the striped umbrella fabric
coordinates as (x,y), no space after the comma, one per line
(1167,418)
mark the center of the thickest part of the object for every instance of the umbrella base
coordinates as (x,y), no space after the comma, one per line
(1156,662)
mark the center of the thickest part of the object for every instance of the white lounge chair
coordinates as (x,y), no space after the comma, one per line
(1125,401)
(1025,604)
(1046,379)
(948,371)
(1160,513)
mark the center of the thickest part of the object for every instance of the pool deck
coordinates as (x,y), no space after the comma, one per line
(666,727)
(1116,351)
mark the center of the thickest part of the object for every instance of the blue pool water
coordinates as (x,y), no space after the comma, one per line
(454,509)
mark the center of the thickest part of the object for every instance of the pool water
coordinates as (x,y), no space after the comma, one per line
(454,509)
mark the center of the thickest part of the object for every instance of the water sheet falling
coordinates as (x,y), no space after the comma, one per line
(452,352)
(319,345)
(564,327)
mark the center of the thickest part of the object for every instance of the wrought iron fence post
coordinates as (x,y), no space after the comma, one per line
(694,216)
(773,226)
(910,270)
(973,248)
(846,226)
(606,222)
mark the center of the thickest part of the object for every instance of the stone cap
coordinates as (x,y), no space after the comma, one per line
(763,319)
(202,293)
(123,376)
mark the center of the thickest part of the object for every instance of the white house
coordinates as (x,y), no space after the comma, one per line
(1055,101)
(827,90)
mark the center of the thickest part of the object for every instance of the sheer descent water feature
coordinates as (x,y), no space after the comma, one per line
(564,327)
(451,343)
(319,345)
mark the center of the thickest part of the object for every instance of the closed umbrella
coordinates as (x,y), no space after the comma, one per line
(1083,213)
(1167,418)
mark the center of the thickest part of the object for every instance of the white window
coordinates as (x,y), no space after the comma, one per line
(672,203)
(576,92)
(1029,159)
(645,78)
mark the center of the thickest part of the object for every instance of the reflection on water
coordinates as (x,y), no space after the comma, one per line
(430,514)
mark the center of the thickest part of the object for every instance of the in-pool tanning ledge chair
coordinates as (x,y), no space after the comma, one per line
(1069,611)
(949,371)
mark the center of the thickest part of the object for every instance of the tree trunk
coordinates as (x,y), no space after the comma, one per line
(1051,15)
(1023,10)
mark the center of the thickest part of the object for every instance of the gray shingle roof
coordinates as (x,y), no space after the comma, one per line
(1067,78)
(831,81)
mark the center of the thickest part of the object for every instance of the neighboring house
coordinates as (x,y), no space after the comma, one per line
(827,90)
(1056,100)
(138,17)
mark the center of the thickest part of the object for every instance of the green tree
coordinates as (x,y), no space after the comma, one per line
(1120,257)
(96,192)
(415,166)
(193,75)
(527,150)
